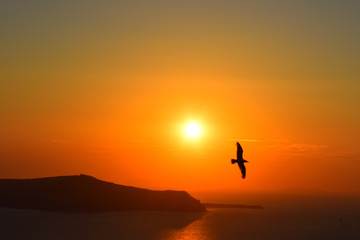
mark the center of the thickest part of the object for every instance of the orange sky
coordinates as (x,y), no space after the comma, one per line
(106,89)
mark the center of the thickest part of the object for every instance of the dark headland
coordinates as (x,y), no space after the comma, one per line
(84,193)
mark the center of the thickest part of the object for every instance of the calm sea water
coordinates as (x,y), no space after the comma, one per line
(274,222)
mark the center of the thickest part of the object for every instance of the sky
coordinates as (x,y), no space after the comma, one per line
(106,88)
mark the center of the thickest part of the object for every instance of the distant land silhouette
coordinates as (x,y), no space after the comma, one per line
(83,193)
(222,205)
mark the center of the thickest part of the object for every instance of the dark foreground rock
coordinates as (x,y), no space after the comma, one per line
(86,193)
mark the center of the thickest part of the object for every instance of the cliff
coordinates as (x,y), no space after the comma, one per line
(86,193)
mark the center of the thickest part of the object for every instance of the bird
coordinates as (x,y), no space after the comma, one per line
(240,160)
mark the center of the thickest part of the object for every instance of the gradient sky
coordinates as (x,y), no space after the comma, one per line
(106,88)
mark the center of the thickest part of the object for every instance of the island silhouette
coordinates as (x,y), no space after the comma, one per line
(84,193)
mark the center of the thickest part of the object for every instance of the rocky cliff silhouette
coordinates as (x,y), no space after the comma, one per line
(86,193)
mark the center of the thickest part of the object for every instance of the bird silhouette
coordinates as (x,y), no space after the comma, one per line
(240,160)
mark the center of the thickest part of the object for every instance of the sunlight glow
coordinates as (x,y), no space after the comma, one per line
(192,130)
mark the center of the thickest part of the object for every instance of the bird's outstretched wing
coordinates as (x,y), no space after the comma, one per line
(239,151)
(243,170)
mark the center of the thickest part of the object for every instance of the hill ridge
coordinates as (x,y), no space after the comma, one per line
(87,193)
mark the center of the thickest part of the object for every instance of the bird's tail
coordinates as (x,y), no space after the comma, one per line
(233,161)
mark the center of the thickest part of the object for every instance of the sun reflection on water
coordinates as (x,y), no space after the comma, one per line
(194,231)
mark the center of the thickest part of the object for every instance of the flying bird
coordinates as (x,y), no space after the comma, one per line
(240,160)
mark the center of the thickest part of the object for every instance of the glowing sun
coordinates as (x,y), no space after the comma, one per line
(192,130)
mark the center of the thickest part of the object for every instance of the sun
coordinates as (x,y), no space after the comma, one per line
(192,130)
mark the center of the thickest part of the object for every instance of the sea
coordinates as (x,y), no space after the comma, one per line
(299,218)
